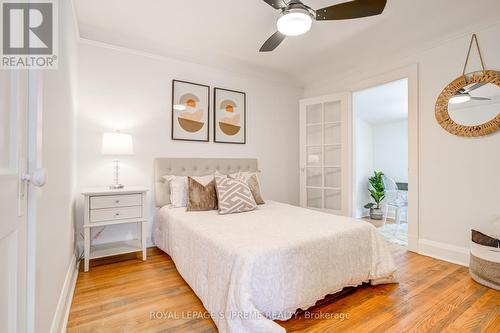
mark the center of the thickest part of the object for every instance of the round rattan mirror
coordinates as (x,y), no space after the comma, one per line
(458,108)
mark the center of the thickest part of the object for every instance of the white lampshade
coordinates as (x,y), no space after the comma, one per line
(117,144)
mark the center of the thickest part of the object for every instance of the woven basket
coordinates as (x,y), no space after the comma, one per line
(484,265)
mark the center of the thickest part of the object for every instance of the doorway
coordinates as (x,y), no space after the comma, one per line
(380,158)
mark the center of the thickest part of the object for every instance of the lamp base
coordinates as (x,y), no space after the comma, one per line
(116,186)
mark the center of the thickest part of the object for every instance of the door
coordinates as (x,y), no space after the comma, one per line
(324,153)
(13,221)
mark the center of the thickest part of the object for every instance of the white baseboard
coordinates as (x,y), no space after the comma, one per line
(61,315)
(454,254)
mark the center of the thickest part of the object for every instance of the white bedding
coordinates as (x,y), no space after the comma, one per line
(253,267)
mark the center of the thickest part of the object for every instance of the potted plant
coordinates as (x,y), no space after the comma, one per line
(377,194)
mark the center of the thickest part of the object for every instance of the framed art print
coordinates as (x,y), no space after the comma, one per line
(229,116)
(190,111)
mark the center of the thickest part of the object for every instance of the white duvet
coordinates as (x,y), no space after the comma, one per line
(253,267)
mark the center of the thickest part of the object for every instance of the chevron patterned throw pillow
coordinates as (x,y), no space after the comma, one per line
(234,195)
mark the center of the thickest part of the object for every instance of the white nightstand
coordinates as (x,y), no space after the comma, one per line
(105,207)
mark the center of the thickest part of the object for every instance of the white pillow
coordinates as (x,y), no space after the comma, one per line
(179,188)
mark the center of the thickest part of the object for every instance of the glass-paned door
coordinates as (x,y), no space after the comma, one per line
(324,153)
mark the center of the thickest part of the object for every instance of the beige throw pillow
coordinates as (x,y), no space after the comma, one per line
(201,197)
(234,196)
(253,183)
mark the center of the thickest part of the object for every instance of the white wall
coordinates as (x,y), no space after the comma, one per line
(54,216)
(390,149)
(363,165)
(131,91)
(459,183)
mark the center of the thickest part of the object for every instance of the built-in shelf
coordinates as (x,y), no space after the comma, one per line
(105,223)
(110,249)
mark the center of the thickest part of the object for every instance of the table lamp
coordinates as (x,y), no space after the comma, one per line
(117,144)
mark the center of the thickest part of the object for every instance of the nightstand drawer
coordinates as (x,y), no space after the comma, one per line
(100,215)
(109,201)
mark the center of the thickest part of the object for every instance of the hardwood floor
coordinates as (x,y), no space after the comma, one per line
(432,296)
(379,223)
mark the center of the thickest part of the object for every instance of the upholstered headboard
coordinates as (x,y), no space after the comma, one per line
(195,167)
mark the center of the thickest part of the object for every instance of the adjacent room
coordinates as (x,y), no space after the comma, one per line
(251,166)
(380,163)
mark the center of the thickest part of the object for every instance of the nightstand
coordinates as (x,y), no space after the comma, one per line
(103,207)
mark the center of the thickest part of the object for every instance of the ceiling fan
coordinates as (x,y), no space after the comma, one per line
(463,95)
(296,17)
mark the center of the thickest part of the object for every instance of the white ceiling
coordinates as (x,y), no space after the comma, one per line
(233,31)
(382,104)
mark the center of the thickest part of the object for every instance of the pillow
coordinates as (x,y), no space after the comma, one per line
(178,194)
(201,197)
(179,188)
(234,195)
(253,183)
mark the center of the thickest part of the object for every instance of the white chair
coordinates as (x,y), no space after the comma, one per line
(394,198)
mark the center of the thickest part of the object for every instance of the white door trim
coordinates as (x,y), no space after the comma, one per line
(411,73)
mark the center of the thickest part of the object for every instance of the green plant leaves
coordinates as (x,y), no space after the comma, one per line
(376,188)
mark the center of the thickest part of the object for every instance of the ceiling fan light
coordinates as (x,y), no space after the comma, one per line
(294,23)
(461,98)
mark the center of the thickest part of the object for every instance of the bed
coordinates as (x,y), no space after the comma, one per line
(251,268)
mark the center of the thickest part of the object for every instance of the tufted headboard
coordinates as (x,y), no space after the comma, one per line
(195,167)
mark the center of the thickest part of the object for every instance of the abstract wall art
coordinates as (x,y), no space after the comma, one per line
(229,116)
(190,111)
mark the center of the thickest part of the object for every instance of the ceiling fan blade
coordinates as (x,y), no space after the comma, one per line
(473,87)
(351,10)
(481,98)
(272,42)
(276,4)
